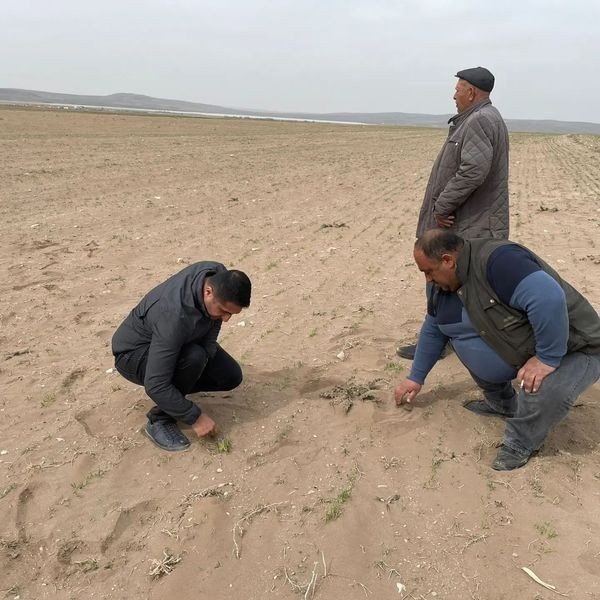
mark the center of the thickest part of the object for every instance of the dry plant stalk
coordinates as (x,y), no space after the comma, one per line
(165,565)
(247,517)
(548,586)
(308,588)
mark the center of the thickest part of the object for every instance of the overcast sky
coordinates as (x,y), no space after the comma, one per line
(311,55)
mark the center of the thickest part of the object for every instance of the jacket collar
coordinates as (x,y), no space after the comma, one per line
(463,263)
(460,117)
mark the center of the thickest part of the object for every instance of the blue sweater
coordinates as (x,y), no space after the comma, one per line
(518,281)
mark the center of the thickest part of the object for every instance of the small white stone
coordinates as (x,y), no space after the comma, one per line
(341,355)
(109,370)
(3,452)
(242,324)
(219,470)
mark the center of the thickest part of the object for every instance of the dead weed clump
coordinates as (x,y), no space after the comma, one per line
(345,394)
(165,565)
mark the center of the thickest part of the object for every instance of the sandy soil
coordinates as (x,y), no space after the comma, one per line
(328,490)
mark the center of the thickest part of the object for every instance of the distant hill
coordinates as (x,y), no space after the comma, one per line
(139,102)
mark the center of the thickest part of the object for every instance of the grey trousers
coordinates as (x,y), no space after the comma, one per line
(530,417)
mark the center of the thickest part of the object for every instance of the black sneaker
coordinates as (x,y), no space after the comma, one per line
(166,435)
(408,352)
(508,459)
(481,407)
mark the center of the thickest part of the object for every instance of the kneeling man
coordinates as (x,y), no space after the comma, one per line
(509,315)
(168,344)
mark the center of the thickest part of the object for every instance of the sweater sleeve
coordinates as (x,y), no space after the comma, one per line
(545,303)
(519,281)
(429,349)
(475,162)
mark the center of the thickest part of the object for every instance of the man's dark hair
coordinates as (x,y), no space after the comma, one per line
(434,243)
(231,286)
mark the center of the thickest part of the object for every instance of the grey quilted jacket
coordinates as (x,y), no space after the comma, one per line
(469,178)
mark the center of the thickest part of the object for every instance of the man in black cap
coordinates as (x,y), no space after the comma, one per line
(467,190)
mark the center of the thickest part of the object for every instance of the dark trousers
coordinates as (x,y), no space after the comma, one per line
(194,372)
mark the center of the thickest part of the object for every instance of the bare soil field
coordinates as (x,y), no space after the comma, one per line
(319,487)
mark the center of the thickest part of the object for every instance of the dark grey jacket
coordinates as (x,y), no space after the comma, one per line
(506,329)
(166,319)
(469,178)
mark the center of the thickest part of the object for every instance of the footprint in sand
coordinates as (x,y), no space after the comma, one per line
(22,505)
(129,517)
(589,561)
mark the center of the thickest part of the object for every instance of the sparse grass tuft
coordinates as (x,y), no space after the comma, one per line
(393,367)
(536,486)
(86,566)
(336,505)
(546,529)
(224,446)
(48,399)
(87,480)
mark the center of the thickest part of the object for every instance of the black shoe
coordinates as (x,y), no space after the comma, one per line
(166,435)
(481,407)
(407,352)
(448,350)
(508,459)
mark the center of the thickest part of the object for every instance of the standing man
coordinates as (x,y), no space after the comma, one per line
(509,316)
(168,344)
(468,186)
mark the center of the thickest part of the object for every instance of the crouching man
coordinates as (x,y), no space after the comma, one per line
(509,315)
(168,344)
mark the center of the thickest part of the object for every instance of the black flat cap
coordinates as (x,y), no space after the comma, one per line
(480,77)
